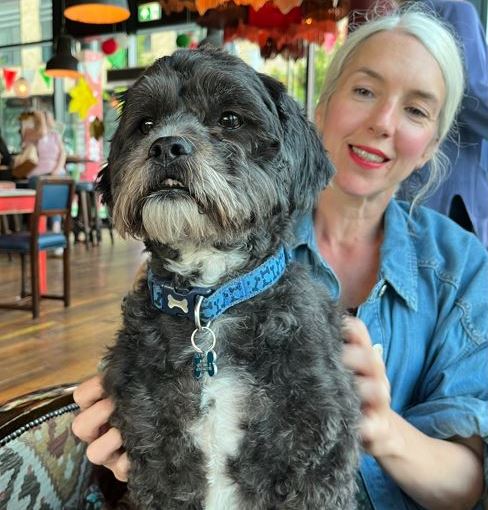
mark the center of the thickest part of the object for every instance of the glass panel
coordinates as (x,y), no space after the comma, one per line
(24,21)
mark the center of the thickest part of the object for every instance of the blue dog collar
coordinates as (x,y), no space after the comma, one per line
(207,303)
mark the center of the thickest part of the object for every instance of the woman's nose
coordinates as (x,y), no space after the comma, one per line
(383,120)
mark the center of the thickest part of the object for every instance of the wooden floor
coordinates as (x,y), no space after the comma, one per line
(64,344)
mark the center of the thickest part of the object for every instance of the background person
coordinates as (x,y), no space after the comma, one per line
(390,96)
(39,129)
(5,160)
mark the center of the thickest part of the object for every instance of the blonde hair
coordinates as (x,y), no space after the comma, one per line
(439,41)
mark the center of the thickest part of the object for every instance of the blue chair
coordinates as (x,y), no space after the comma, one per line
(53,198)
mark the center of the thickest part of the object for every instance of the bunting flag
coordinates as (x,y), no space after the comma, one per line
(118,60)
(45,78)
(82,99)
(9,76)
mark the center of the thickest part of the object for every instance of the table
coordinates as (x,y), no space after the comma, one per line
(22,201)
(75,158)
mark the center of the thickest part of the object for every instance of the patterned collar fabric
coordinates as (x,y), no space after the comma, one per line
(208,303)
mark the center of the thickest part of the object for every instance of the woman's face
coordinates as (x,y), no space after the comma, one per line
(381,122)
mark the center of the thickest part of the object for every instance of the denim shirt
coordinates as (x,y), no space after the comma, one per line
(429,311)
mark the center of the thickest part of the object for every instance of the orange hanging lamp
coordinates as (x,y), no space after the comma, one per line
(97,11)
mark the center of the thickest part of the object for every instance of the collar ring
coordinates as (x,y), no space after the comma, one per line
(202,330)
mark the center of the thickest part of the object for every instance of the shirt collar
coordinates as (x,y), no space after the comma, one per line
(398,265)
(305,232)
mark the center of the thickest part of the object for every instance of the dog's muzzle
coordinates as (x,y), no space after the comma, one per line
(168,149)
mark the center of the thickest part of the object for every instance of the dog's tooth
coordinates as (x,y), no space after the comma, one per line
(172,183)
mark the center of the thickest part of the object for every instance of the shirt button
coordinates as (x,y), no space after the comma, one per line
(382,290)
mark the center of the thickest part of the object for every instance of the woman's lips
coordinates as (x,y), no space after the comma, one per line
(367,157)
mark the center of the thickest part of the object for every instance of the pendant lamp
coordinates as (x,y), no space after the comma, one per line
(63,64)
(97,11)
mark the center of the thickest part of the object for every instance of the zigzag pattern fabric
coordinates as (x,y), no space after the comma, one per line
(44,467)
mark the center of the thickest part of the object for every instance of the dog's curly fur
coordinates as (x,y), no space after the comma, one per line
(210,165)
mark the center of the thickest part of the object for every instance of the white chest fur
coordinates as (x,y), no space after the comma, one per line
(218,434)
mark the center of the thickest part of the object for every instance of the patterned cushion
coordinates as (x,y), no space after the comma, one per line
(43,466)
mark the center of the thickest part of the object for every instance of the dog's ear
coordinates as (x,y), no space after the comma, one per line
(103,185)
(302,148)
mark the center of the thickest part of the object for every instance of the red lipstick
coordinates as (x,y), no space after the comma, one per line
(365,163)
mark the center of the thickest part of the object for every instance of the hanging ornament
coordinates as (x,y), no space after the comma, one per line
(97,129)
(82,99)
(183,40)
(9,77)
(109,46)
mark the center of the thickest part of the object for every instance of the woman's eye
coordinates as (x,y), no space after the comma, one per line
(417,112)
(362,91)
(230,120)
(145,126)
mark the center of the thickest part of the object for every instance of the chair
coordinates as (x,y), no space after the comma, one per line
(53,198)
(87,220)
(4,219)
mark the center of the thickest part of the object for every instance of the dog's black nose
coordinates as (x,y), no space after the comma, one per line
(168,148)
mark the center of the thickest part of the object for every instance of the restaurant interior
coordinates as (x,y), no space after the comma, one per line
(73,69)
(63,269)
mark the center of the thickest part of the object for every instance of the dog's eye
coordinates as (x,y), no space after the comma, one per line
(230,120)
(145,126)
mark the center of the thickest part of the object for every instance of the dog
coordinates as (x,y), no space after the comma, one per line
(226,375)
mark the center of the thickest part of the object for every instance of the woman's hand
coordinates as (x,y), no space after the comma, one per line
(92,426)
(436,473)
(366,362)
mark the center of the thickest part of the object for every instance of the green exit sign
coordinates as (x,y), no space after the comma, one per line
(149,12)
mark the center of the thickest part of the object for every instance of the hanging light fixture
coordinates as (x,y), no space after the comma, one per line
(63,64)
(22,87)
(97,11)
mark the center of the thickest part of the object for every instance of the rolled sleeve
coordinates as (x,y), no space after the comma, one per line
(454,398)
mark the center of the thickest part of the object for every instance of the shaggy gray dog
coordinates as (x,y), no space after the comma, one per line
(210,165)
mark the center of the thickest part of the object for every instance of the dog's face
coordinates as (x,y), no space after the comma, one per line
(208,150)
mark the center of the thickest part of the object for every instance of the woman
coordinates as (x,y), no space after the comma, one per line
(50,149)
(417,282)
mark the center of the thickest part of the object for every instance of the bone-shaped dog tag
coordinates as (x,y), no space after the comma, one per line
(182,304)
(204,362)
(211,365)
(198,365)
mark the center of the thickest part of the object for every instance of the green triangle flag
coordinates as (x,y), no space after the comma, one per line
(47,79)
(118,59)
